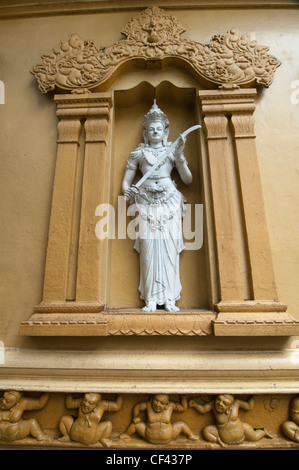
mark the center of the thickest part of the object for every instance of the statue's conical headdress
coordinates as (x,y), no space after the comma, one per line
(155,114)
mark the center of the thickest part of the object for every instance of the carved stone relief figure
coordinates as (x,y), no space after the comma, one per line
(87,428)
(12,426)
(291,428)
(160,208)
(152,420)
(158,428)
(229,429)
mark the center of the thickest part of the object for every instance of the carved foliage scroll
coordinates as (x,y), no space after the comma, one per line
(230,59)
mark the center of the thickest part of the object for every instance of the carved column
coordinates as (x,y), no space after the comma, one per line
(91,255)
(230,283)
(259,252)
(75,267)
(244,306)
(56,279)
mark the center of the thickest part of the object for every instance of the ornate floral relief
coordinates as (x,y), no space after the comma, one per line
(73,65)
(271,404)
(231,59)
(154,26)
(238,60)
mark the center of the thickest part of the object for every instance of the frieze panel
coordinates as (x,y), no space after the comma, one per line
(157,420)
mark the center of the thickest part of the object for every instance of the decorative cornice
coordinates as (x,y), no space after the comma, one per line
(150,370)
(29,8)
(65,307)
(251,306)
(230,60)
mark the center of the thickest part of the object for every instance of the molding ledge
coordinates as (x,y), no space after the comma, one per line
(236,322)
(147,371)
(255,324)
(119,323)
(27,8)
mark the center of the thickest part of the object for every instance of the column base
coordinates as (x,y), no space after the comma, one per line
(252,318)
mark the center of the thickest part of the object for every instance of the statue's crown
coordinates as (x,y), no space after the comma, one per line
(155,114)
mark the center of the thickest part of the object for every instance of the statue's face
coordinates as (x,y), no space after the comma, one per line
(155,132)
(295,416)
(160,403)
(89,402)
(295,410)
(7,401)
(222,403)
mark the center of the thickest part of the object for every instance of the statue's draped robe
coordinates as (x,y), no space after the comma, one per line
(159,209)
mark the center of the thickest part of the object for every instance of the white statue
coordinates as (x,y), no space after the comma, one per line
(160,209)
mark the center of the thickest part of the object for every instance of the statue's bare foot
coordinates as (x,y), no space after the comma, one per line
(106,442)
(124,436)
(268,434)
(65,438)
(221,443)
(193,437)
(171,307)
(151,306)
(42,437)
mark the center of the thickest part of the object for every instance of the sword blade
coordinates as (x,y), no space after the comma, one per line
(169,150)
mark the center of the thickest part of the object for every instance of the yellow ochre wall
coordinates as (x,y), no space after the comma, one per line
(28,149)
(136,366)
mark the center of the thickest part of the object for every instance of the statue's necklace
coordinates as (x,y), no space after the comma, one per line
(154,151)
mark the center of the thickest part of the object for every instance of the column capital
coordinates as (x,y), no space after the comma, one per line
(69,131)
(227,102)
(215,126)
(243,125)
(88,104)
(96,128)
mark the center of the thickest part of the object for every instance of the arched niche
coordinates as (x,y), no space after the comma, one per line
(181,106)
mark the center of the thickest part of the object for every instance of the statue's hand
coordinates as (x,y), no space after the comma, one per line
(180,147)
(130,193)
